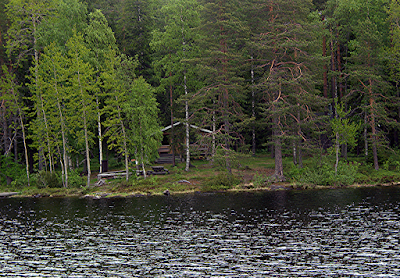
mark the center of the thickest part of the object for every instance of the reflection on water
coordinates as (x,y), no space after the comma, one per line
(325,233)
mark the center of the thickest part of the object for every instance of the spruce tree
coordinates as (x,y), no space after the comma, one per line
(222,41)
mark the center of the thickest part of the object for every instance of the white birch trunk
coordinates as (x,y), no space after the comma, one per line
(87,148)
(25,148)
(99,135)
(365,135)
(187,129)
(253,110)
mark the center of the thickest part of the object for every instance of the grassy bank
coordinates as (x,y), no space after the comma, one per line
(249,173)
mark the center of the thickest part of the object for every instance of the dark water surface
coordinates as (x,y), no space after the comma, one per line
(325,233)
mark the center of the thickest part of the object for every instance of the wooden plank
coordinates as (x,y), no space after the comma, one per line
(114,174)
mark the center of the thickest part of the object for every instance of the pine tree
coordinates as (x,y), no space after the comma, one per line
(222,41)
(288,49)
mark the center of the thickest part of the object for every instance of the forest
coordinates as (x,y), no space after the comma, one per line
(81,81)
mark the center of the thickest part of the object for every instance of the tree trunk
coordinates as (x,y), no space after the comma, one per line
(325,71)
(365,135)
(186,102)
(374,140)
(253,111)
(300,155)
(187,128)
(85,127)
(333,68)
(336,152)
(25,148)
(87,148)
(214,129)
(99,134)
(339,64)
(277,150)
(172,125)
(227,131)
(64,165)
(125,142)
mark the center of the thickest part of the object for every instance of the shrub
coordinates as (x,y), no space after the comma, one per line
(220,182)
(22,181)
(75,180)
(11,169)
(47,179)
(260,180)
(322,172)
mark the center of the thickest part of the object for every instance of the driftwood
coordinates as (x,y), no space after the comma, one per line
(8,194)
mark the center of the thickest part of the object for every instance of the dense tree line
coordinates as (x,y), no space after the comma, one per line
(294,77)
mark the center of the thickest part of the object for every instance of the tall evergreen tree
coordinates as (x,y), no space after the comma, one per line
(287,46)
(219,99)
(176,46)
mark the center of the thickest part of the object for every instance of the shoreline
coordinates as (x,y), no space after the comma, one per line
(140,194)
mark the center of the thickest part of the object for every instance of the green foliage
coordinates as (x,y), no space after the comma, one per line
(48,179)
(321,172)
(22,181)
(344,131)
(75,180)
(11,169)
(294,172)
(142,113)
(222,181)
(223,155)
(260,180)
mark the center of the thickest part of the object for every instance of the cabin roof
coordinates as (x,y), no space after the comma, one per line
(192,126)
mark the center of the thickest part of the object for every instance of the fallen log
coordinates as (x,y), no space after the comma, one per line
(7,194)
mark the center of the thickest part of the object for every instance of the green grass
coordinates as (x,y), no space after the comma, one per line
(250,173)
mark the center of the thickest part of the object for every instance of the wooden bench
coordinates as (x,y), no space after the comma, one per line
(112,175)
(158,170)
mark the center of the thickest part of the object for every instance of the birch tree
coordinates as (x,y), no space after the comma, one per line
(81,84)
(142,113)
(118,78)
(177,45)
(101,41)
(11,98)
(53,74)
(25,17)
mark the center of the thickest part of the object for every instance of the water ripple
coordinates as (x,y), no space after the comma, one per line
(213,235)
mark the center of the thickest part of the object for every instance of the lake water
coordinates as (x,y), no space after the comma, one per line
(321,233)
